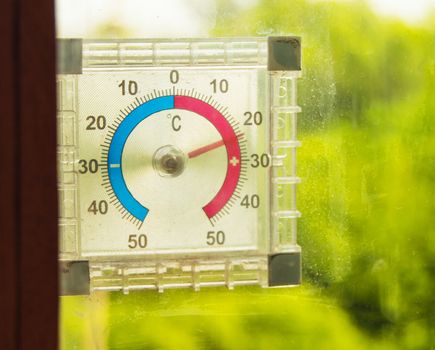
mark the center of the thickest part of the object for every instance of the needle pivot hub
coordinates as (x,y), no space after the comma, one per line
(169,161)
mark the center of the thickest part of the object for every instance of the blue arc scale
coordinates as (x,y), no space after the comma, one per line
(117,146)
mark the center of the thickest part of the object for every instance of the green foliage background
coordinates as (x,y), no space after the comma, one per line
(367,198)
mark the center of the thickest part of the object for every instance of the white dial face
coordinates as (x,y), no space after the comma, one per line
(173,161)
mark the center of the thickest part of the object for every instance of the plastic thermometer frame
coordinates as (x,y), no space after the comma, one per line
(278,263)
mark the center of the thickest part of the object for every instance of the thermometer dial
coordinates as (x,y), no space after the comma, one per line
(183,164)
(199,150)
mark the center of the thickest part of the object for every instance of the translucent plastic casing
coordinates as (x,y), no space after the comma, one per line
(177,163)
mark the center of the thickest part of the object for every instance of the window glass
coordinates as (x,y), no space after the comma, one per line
(367,160)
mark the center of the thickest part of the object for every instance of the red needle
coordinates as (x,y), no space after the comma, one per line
(197,152)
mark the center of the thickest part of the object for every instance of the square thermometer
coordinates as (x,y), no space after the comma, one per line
(177,163)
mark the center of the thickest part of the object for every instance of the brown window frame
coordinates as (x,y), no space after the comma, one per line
(28,193)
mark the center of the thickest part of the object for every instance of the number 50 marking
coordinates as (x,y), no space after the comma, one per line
(137,241)
(215,237)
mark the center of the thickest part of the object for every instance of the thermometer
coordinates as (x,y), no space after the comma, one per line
(177,163)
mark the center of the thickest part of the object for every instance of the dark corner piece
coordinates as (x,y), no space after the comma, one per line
(74,277)
(69,56)
(284,269)
(284,53)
